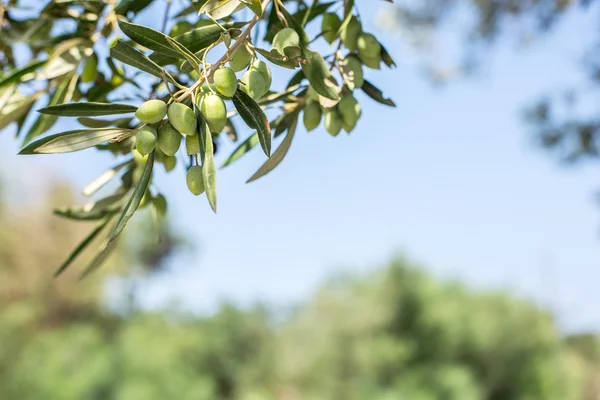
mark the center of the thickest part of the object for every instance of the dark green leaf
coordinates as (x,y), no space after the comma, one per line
(136,198)
(88,109)
(376,94)
(255,118)
(149,38)
(276,58)
(130,56)
(101,123)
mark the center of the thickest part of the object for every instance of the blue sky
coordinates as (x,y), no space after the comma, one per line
(451,178)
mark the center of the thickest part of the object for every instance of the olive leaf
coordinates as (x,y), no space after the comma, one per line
(88,109)
(242,149)
(135,199)
(149,38)
(218,9)
(254,117)
(104,178)
(70,141)
(279,154)
(376,94)
(255,6)
(209,172)
(16,106)
(130,56)
(276,58)
(86,242)
(20,74)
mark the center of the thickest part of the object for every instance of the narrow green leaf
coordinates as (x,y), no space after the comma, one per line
(94,210)
(88,109)
(86,242)
(279,154)
(15,75)
(199,39)
(136,197)
(104,178)
(102,123)
(209,172)
(63,93)
(70,141)
(255,118)
(17,106)
(185,53)
(317,71)
(130,56)
(255,6)
(149,38)
(387,58)
(242,149)
(376,94)
(103,252)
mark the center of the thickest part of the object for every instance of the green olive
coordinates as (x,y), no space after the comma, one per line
(225,81)
(192,144)
(151,111)
(263,69)
(145,140)
(253,84)
(169,139)
(194,180)
(183,118)
(371,62)
(353,69)
(368,45)
(90,69)
(160,204)
(331,24)
(349,35)
(350,111)
(240,58)
(333,122)
(312,116)
(169,162)
(286,37)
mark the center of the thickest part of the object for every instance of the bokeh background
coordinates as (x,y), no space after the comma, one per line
(438,252)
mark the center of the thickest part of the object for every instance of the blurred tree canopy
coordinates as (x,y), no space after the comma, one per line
(393,334)
(568,123)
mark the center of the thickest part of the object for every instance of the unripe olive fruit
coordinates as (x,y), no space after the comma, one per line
(183,118)
(194,180)
(169,162)
(145,140)
(138,158)
(225,81)
(333,122)
(353,68)
(192,145)
(350,110)
(286,37)
(214,112)
(371,62)
(90,69)
(264,71)
(347,127)
(368,46)
(151,111)
(350,33)
(240,58)
(312,116)
(169,139)
(180,28)
(160,204)
(331,24)
(253,84)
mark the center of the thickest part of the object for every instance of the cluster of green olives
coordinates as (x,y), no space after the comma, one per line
(364,49)
(181,123)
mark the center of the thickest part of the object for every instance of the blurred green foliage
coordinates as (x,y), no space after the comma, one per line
(393,334)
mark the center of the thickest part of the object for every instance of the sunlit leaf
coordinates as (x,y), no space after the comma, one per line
(76,140)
